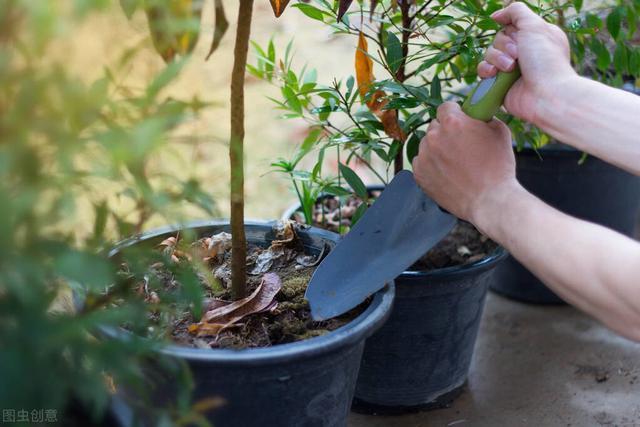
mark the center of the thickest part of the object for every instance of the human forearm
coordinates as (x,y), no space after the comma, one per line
(594,118)
(594,268)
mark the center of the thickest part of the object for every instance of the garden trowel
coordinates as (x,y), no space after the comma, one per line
(399,228)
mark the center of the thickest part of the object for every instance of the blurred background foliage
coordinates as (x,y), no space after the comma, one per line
(79,169)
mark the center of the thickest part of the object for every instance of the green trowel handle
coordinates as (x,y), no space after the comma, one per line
(484,101)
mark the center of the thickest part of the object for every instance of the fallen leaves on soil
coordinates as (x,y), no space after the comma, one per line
(224,316)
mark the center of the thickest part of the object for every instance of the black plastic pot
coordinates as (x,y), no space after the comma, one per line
(594,190)
(420,358)
(306,383)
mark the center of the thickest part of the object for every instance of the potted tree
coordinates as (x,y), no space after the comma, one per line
(605,47)
(250,345)
(420,357)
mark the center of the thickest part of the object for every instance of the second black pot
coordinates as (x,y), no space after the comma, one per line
(420,358)
(594,190)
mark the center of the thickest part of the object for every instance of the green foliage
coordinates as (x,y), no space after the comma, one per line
(416,67)
(604,46)
(70,151)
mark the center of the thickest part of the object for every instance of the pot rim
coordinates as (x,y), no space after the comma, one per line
(349,334)
(483,264)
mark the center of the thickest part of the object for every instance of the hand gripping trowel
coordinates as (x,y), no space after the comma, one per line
(399,228)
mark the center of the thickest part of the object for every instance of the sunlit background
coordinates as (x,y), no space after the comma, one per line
(199,148)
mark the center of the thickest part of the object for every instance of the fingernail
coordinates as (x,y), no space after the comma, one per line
(505,62)
(511,49)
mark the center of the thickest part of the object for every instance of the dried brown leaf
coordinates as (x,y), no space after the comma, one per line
(278,6)
(162,16)
(343,7)
(221,25)
(170,241)
(372,8)
(285,233)
(218,244)
(222,317)
(389,119)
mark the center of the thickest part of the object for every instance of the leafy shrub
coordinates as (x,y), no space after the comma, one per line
(71,151)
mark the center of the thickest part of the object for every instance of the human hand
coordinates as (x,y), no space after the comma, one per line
(542,52)
(462,160)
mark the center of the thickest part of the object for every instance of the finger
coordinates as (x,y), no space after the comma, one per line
(434,125)
(500,126)
(511,31)
(499,60)
(447,109)
(516,14)
(506,45)
(486,70)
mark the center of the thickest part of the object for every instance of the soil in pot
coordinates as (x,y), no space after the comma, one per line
(275,312)
(463,245)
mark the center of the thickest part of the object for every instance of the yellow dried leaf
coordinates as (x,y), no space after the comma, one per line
(365,78)
(364,66)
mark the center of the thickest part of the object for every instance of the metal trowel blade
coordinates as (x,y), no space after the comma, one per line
(399,228)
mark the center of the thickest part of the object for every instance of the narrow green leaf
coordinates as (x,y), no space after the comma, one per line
(603,58)
(292,100)
(311,139)
(634,62)
(393,52)
(613,23)
(311,11)
(358,213)
(577,4)
(165,77)
(336,191)
(620,58)
(436,93)
(354,181)
(129,7)
(413,144)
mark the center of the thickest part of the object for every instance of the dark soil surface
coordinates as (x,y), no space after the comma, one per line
(463,245)
(287,317)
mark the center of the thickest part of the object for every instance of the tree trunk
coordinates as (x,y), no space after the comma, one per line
(236,152)
(401,75)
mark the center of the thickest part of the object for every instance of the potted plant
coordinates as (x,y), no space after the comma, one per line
(420,358)
(250,345)
(604,47)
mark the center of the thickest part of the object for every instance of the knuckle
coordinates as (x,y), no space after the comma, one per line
(517,7)
(451,121)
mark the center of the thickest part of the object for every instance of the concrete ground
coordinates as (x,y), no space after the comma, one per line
(539,366)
